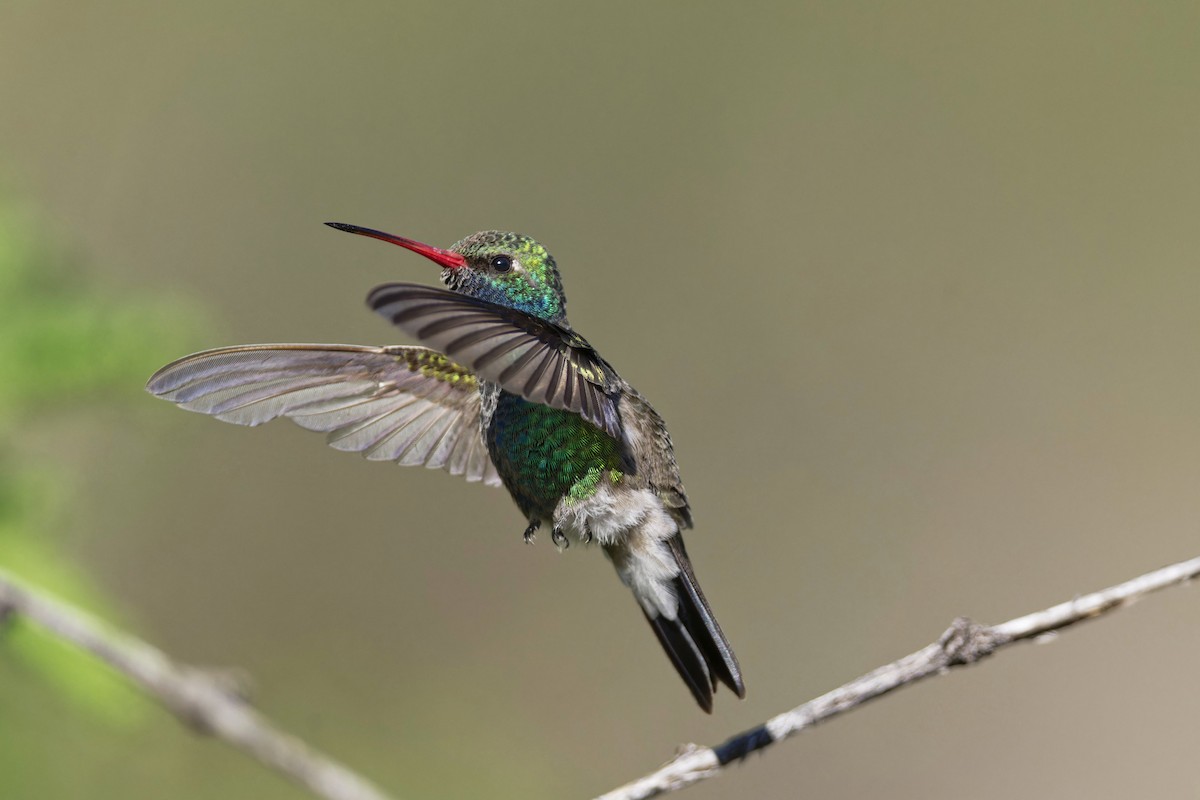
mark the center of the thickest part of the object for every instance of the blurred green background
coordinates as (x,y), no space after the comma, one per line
(915,286)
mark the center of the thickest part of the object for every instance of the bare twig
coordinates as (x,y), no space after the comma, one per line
(198,699)
(208,704)
(965,642)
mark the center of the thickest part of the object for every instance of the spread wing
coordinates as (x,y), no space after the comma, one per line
(410,405)
(536,359)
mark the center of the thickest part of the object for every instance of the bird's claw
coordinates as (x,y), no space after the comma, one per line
(559,538)
(531,531)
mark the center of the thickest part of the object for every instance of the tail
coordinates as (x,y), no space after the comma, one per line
(661,577)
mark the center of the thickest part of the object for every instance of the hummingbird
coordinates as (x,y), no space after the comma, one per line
(503,392)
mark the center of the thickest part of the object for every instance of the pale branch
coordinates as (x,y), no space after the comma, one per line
(209,705)
(199,699)
(965,642)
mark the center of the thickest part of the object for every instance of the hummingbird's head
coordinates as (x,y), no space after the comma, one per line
(511,270)
(508,269)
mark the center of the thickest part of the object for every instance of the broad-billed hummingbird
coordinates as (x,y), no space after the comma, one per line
(505,393)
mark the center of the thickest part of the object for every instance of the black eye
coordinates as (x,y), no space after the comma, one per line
(500,263)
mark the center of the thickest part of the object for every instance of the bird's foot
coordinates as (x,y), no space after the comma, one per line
(587,534)
(531,531)
(560,539)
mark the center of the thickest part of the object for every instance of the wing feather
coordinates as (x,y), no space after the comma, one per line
(406,404)
(526,355)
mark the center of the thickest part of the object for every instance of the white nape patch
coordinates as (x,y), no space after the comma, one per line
(633,527)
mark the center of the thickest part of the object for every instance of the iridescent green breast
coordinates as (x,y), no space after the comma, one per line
(544,453)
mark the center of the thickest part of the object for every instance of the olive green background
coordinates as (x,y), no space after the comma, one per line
(915,286)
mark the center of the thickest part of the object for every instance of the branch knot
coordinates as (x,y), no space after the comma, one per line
(966,642)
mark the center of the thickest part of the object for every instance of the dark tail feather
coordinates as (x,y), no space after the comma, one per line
(701,626)
(693,639)
(659,573)
(688,660)
(697,619)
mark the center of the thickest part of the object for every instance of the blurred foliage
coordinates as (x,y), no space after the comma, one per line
(64,344)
